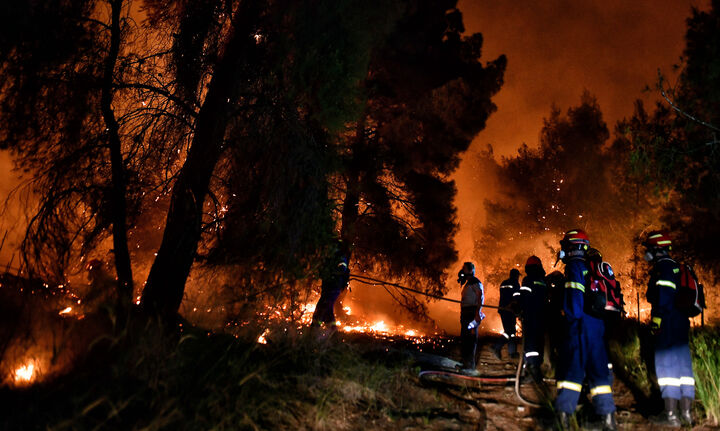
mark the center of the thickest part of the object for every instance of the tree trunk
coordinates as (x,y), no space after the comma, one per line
(165,286)
(118,197)
(351,203)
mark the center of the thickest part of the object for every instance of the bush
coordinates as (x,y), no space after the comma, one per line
(705,348)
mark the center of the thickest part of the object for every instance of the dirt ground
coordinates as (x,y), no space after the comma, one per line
(496,406)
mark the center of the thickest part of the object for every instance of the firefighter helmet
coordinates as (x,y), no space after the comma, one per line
(576,236)
(658,239)
(533,260)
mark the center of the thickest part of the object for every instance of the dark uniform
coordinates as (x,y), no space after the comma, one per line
(673,364)
(584,349)
(533,299)
(332,285)
(509,292)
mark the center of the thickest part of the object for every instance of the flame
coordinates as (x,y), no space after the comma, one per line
(261,339)
(65,311)
(25,374)
(377,327)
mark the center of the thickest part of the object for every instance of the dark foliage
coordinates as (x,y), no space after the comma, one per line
(675,146)
(427,95)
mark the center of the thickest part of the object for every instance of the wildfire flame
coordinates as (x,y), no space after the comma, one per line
(261,339)
(25,373)
(65,311)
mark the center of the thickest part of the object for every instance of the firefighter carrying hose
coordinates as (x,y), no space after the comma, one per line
(673,365)
(509,291)
(584,350)
(533,302)
(334,281)
(471,315)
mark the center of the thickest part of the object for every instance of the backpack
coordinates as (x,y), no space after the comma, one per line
(603,296)
(690,296)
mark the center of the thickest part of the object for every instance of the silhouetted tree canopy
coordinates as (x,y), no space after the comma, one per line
(571,180)
(675,146)
(428,94)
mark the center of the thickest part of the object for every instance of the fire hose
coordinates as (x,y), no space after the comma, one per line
(373,281)
(489,379)
(480,379)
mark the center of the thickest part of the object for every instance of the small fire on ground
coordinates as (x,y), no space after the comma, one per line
(25,374)
(378,327)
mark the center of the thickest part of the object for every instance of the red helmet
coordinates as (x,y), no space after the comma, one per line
(658,239)
(576,236)
(533,260)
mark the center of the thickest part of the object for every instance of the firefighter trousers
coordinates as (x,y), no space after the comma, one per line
(585,357)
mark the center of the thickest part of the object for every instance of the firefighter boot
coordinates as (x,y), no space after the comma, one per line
(564,421)
(608,422)
(669,416)
(686,411)
(497,350)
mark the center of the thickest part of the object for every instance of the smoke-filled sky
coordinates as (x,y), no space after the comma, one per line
(556,49)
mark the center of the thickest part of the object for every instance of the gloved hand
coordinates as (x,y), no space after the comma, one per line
(475,323)
(655,325)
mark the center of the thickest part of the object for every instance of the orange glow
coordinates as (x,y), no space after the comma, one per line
(25,374)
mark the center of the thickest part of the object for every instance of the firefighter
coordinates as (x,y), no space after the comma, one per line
(471,315)
(509,291)
(584,347)
(334,281)
(533,303)
(555,319)
(673,365)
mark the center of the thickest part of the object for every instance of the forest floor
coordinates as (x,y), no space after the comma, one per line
(203,381)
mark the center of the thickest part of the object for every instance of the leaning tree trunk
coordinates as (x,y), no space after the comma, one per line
(165,286)
(118,201)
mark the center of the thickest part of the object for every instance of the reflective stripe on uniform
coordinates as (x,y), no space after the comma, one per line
(664,242)
(575,285)
(505,335)
(688,381)
(506,286)
(525,288)
(609,366)
(668,381)
(531,354)
(657,235)
(539,283)
(576,387)
(666,283)
(599,390)
(516,294)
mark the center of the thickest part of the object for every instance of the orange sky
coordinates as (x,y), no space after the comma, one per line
(555,50)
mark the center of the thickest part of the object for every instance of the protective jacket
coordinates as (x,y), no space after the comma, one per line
(533,300)
(508,290)
(673,364)
(584,350)
(473,297)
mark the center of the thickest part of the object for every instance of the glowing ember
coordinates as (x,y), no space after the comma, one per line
(25,373)
(348,311)
(261,339)
(65,311)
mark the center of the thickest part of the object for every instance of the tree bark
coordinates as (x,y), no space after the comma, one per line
(165,286)
(123,267)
